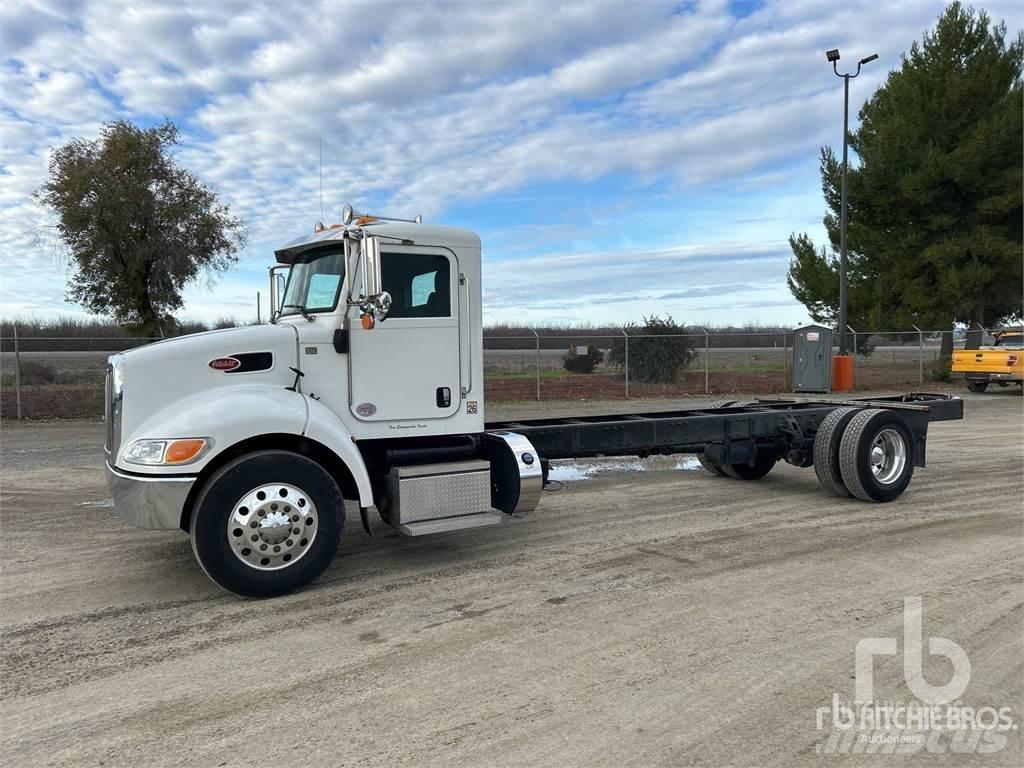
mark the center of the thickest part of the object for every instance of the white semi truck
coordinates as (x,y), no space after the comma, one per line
(367,385)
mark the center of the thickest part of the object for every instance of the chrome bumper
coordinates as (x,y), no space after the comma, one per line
(987,376)
(149,502)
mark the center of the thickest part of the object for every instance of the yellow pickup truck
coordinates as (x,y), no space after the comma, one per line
(1002,363)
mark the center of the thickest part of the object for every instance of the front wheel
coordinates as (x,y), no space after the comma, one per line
(977,386)
(267,524)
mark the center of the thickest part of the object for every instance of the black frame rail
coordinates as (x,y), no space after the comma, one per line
(737,432)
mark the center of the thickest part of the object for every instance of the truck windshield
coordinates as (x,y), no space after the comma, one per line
(313,285)
(1010,340)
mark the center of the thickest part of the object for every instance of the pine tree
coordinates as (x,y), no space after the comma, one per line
(935,203)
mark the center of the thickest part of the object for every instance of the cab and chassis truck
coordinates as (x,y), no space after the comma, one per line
(368,386)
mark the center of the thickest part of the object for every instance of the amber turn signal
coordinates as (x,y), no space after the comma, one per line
(367,321)
(181,451)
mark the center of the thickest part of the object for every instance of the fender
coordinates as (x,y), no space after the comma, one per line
(227,416)
(326,428)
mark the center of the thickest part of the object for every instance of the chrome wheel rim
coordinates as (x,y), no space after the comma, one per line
(888,456)
(272,526)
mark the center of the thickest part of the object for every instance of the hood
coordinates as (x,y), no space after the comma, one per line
(160,375)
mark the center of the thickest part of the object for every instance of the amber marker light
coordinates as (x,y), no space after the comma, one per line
(367,321)
(180,451)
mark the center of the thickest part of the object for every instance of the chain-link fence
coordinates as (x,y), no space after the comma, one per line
(50,377)
(62,377)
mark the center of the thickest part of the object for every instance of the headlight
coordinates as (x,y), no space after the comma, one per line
(117,364)
(146,452)
(166,451)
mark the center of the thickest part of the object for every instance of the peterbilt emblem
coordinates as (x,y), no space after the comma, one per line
(225,364)
(366,409)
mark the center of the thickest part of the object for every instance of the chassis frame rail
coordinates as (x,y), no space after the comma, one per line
(737,432)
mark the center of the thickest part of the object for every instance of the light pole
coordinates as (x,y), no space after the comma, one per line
(833,56)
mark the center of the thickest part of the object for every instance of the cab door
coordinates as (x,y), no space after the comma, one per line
(408,366)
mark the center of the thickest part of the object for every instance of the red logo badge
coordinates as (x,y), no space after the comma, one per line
(225,364)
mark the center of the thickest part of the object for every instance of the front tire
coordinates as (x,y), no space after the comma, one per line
(267,524)
(876,455)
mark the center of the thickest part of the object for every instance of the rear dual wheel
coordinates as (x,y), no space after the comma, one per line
(710,466)
(864,453)
(977,386)
(762,465)
(826,450)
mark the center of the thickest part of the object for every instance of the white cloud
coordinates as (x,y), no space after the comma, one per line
(426,107)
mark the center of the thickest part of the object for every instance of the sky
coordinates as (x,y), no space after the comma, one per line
(617,159)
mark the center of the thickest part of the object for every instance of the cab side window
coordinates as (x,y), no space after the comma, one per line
(419,284)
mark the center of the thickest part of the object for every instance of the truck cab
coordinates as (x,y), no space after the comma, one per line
(366,385)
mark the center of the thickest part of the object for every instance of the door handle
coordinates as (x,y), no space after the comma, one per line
(464,281)
(443,397)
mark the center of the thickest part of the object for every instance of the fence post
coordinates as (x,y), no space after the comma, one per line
(626,360)
(920,354)
(17,371)
(536,337)
(707,359)
(785,362)
(853,359)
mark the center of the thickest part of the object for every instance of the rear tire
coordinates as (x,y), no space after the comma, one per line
(977,386)
(709,466)
(763,464)
(245,519)
(826,451)
(876,455)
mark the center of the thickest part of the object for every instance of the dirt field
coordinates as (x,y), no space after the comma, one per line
(655,618)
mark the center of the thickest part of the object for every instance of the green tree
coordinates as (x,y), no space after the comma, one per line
(658,351)
(935,204)
(138,227)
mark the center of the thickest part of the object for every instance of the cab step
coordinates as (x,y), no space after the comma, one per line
(448,524)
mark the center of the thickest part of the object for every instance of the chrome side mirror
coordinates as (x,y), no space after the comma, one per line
(371,266)
(278,283)
(381,305)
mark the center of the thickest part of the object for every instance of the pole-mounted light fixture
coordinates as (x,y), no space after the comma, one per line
(833,56)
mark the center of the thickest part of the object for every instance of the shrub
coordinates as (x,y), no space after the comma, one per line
(657,350)
(942,370)
(576,363)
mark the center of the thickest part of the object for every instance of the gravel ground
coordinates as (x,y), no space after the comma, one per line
(663,617)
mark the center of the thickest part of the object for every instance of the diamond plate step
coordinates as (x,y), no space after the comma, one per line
(447,524)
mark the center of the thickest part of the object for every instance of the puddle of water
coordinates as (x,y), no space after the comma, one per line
(97,503)
(568,471)
(690,464)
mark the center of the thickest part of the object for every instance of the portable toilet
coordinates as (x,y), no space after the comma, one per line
(812,359)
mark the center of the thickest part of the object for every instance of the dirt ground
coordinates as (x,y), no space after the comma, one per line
(638,618)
